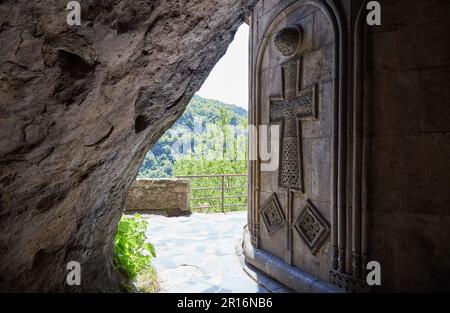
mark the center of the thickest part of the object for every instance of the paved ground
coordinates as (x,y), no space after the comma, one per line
(198,253)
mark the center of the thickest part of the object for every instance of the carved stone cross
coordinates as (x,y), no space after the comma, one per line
(290,109)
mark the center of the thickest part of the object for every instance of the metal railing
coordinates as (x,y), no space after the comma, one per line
(218,191)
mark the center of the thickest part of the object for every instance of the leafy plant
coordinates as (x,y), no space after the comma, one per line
(131,253)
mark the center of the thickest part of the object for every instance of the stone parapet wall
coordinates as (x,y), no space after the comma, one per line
(169,197)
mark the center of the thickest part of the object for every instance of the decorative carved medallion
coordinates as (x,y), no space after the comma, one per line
(312,227)
(272,215)
(294,106)
(288,40)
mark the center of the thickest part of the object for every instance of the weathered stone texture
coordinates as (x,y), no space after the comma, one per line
(383,123)
(295,83)
(409,163)
(79,108)
(169,197)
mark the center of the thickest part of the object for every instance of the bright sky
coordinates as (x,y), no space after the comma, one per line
(228,81)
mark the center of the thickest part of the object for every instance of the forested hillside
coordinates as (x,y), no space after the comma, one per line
(160,161)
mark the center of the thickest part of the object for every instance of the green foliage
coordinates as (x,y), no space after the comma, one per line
(159,162)
(220,148)
(131,253)
(235,187)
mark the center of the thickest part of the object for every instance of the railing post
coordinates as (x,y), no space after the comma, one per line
(223,193)
(222,197)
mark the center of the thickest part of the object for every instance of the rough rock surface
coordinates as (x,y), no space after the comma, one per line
(168,197)
(79,108)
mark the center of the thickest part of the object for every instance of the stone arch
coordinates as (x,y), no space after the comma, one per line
(333,13)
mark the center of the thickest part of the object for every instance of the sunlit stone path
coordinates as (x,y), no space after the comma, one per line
(198,253)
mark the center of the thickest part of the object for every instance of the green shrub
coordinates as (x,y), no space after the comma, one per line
(131,253)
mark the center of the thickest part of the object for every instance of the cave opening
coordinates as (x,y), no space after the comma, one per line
(192,185)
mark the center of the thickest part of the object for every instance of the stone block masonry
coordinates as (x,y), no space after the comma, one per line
(168,197)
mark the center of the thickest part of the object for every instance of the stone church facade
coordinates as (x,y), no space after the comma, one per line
(363,125)
(363,157)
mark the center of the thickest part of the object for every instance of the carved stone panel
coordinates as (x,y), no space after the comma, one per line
(312,227)
(293,86)
(272,215)
(290,109)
